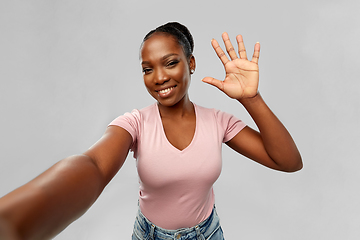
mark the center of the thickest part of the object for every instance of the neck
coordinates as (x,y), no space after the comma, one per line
(181,109)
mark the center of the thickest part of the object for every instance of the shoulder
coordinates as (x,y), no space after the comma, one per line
(227,122)
(147,111)
(200,110)
(135,115)
(213,112)
(133,121)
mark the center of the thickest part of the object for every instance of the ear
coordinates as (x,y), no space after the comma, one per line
(192,64)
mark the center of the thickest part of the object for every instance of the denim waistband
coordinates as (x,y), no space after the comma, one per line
(145,229)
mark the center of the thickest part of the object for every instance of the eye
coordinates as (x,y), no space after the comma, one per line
(146,70)
(172,63)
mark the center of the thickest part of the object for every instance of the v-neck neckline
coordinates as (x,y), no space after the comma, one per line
(165,137)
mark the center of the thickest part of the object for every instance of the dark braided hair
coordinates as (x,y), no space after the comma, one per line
(179,32)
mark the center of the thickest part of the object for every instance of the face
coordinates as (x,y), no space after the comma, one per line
(166,70)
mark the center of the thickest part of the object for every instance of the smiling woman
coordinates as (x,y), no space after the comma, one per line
(166,70)
(176,143)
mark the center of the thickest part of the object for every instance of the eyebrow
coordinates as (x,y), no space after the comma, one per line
(163,58)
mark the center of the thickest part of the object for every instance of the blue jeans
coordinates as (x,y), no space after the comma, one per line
(209,229)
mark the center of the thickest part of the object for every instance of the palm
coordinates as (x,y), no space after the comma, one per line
(242,75)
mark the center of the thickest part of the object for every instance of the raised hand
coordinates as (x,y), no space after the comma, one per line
(242,76)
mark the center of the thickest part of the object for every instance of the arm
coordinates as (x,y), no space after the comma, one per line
(46,205)
(272,146)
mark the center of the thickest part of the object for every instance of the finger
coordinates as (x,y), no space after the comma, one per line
(256,55)
(215,82)
(229,47)
(241,46)
(219,51)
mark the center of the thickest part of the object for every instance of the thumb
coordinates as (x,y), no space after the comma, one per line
(215,82)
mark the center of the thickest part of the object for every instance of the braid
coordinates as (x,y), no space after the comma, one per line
(179,32)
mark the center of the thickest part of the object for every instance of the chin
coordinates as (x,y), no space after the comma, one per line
(167,103)
(171,101)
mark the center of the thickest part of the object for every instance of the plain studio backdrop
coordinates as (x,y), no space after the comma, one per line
(68,68)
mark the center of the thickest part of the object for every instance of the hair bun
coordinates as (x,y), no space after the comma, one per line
(184,30)
(179,32)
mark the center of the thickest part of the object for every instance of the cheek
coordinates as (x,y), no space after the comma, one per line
(185,77)
(182,75)
(146,82)
(148,86)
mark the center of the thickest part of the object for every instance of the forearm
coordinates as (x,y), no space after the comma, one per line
(7,232)
(46,205)
(277,141)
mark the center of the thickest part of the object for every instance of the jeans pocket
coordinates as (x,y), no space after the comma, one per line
(217,234)
(139,232)
(134,237)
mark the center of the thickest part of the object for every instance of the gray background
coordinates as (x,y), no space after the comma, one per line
(70,67)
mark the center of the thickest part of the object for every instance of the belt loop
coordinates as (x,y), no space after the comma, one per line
(199,236)
(152,230)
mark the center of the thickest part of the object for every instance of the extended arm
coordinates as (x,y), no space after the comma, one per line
(272,146)
(49,203)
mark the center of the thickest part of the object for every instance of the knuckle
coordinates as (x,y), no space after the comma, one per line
(231,49)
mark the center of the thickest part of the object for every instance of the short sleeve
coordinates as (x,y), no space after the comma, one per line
(131,123)
(230,124)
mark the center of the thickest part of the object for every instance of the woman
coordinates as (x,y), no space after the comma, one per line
(177,145)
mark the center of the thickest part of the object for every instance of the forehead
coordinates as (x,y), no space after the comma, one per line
(158,46)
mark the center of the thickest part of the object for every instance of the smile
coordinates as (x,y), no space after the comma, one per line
(166,90)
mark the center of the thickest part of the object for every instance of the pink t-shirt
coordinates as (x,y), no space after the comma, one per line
(176,186)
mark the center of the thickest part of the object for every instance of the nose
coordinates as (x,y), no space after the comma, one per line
(161,76)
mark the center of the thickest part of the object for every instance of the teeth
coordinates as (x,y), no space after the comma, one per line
(166,90)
